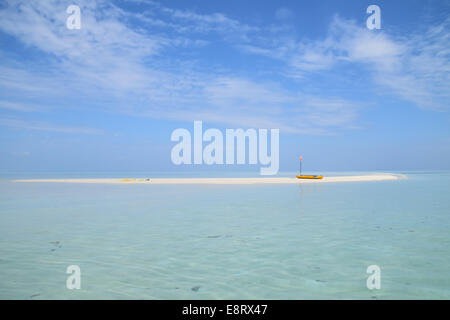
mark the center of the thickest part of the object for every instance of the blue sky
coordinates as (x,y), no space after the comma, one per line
(108,96)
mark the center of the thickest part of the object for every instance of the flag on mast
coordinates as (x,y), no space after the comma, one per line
(301,158)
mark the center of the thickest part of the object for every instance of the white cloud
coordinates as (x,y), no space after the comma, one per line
(415,67)
(123,68)
(19,106)
(43,126)
(268,103)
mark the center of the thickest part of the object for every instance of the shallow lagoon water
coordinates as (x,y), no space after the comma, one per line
(227,242)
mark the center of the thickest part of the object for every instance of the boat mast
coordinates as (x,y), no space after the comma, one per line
(301,158)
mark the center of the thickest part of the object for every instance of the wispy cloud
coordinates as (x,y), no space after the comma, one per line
(416,67)
(18,106)
(123,68)
(42,126)
(117,63)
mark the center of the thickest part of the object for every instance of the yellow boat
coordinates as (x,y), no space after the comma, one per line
(127,179)
(309,177)
(302,176)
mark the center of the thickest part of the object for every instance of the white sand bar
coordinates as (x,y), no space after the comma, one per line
(265,180)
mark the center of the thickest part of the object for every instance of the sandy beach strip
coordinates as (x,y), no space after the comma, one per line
(221,181)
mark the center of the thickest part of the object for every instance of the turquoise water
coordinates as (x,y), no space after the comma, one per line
(227,242)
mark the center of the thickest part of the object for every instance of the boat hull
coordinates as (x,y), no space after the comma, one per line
(309,177)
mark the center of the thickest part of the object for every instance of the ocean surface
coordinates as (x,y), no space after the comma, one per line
(225,242)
